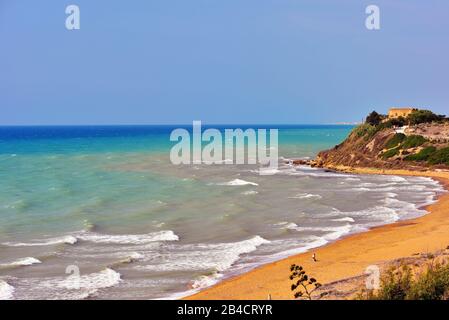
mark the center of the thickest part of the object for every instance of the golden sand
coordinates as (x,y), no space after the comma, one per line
(348,256)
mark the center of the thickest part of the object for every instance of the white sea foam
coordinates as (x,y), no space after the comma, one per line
(249,192)
(331,233)
(377,214)
(396,178)
(132,257)
(338,232)
(287,225)
(94,281)
(45,242)
(352,179)
(167,235)
(216,257)
(306,196)
(136,256)
(345,219)
(309,243)
(21,262)
(206,281)
(404,209)
(268,171)
(391,195)
(70,287)
(360,189)
(6,291)
(238,182)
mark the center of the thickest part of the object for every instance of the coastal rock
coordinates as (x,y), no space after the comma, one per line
(366,149)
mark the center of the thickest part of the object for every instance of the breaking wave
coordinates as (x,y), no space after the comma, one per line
(45,242)
(238,182)
(130,238)
(213,257)
(6,291)
(21,262)
(167,235)
(306,196)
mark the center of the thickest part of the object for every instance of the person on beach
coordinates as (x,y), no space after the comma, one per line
(314,257)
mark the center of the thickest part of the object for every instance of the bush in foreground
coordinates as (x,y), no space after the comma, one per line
(401,284)
(303,286)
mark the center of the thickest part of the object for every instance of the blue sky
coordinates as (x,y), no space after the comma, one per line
(219,61)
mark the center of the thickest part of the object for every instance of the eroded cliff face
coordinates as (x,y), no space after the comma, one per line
(363,150)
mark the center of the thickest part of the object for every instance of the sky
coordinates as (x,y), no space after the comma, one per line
(219,61)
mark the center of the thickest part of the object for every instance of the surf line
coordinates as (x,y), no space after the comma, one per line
(238,147)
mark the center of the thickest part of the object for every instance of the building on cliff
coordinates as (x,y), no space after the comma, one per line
(400,112)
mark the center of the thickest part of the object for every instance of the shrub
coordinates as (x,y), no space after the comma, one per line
(399,284)
(391,153)
(384,125)
(413,141)
(395,284)
(398,122)
(423,116)
(440,156)
(395,140)
(423,155)
(361,130)
(365,130)
(432,285)
(374,118)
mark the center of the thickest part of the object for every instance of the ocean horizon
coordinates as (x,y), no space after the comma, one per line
(106,201)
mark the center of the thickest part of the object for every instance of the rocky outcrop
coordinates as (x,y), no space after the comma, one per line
(363,149)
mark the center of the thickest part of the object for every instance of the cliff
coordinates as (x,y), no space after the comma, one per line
(383,147)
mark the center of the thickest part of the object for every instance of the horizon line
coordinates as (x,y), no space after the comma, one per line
(178,124)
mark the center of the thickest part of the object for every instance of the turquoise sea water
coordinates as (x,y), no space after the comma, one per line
(108,201)
(55,178)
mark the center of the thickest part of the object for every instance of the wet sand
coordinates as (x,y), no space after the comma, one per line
(349,256)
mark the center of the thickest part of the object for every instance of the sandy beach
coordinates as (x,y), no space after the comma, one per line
(349,256)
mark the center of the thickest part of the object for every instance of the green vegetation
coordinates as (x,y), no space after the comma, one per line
(432,155)
(400,284)
(391,153)
(401,141)
(374,118)
(413,141)
(398,122)
(440,156)
(423,116)
(400,144)
(303,285)
(395,140)
(365,130)
(361,130)
(423,155)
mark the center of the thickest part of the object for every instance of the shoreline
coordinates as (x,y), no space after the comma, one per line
(348,256)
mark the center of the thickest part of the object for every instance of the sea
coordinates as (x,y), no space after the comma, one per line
(100,212)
